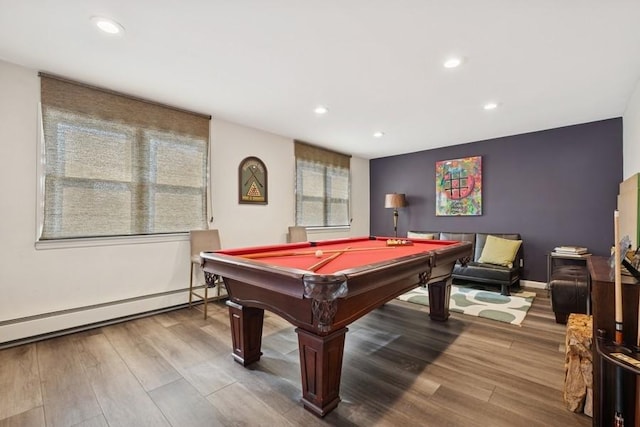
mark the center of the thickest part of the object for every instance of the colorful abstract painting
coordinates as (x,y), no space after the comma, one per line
(459,187)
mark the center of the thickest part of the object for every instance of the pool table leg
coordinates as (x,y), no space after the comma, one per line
(246,332)
(439,294)
(321,367)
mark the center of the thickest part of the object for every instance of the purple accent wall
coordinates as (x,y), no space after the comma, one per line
(554,187)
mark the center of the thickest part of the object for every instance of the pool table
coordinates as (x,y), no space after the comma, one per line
(321,287)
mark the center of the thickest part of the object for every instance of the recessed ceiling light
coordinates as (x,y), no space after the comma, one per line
(490,106)
(321,109)
(378,134)
(107,25)
(452,62)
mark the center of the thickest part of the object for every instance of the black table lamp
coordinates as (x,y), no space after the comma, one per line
(395,201)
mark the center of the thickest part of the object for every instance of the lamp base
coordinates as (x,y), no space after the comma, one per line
(395,222)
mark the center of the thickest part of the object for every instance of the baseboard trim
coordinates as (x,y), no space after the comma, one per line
(89,307)
(533,284)
(23,330)
(81,328)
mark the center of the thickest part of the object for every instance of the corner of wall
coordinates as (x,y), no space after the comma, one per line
(631,134)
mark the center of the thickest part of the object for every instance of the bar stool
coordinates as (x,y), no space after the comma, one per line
(203,241)
(297,234)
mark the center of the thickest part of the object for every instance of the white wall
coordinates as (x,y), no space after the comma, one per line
(45,290)
(631,135)
(247,225)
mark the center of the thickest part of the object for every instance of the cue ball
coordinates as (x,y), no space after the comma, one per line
(318,253)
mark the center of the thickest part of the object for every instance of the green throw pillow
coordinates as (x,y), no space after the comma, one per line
(499,251)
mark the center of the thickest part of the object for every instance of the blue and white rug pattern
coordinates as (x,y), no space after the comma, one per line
(478,301)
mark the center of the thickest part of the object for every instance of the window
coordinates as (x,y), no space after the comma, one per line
(322,187)
(119,166)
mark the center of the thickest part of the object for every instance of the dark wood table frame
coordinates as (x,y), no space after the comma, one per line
(604,367)
(322,305)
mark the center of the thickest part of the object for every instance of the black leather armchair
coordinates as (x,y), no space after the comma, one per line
(475,271)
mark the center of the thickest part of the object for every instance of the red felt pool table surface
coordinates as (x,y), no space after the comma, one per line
(361,275)
(358,252)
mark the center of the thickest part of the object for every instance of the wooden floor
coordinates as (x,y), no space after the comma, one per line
(400,369)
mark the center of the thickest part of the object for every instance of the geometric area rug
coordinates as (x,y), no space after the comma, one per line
(475,300)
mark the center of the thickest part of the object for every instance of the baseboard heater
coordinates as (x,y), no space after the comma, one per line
(172,300)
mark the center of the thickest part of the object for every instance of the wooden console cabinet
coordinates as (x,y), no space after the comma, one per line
(604,373)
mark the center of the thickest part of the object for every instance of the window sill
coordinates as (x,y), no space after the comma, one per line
(328,228)
(319,230)
(110,241)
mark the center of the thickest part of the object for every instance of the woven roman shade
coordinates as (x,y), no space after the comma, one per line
(322,186)
(117,165)
(311,153)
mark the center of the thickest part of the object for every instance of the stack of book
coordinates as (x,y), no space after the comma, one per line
(570,250)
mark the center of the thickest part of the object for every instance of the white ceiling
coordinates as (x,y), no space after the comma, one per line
(376,64)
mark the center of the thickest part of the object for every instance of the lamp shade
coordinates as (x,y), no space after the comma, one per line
(395,200)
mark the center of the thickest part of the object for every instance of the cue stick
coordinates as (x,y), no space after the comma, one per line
(618,279)
(618,417)
(254,177)
(299,253)
(318,265)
